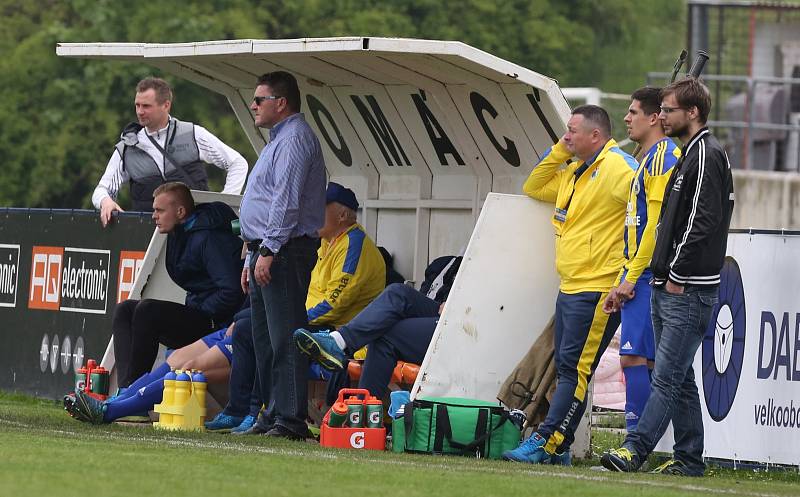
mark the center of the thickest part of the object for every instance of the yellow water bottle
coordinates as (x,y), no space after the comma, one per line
(167,397)
(199,386)
(182,392)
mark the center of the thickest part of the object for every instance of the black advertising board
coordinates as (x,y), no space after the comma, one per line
(61,276)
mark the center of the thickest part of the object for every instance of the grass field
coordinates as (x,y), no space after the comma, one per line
(43,452)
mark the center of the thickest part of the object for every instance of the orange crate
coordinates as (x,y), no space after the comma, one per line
(351,438)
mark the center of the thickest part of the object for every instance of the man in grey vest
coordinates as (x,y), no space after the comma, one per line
(158,149)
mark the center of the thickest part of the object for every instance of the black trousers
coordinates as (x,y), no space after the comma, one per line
(140,325)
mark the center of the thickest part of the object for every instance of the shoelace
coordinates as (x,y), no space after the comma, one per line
(531,442)
(623,453)
(665,466)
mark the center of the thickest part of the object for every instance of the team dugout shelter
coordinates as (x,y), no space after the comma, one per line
(421,130)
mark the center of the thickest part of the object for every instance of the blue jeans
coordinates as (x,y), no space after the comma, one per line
(407,341)
(398,326)
(244,390)
(395,303)
(679,323)
(277,310)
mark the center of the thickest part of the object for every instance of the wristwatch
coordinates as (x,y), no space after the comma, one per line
(265,252)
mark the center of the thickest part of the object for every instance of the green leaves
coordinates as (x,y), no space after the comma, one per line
(61,117)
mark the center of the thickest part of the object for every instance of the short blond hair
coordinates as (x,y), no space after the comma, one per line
(179,191)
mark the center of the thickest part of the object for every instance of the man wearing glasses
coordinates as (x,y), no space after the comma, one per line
(689,254)
(159,149)
(631,294)
(282,210)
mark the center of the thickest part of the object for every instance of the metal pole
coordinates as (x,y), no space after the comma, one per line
(720,31)
(751,110)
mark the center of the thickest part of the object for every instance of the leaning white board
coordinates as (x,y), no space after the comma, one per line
(502,298)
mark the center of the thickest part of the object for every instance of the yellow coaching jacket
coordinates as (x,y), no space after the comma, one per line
(588,213)
(349,274)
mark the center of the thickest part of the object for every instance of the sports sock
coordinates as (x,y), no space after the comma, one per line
(143,401)
(339,339)
(637,391)
(146,379)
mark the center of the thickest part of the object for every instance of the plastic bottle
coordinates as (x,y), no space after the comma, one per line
(338,415)
(81,379)
(199,386)
(355,412)
(99,381)
(168,397)
(374,413)
(182,393)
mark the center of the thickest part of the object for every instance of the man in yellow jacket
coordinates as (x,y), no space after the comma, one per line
(590,196)
(350,270)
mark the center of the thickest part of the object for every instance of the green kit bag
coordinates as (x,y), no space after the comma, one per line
(451,425)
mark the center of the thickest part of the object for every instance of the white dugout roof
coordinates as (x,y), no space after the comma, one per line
(421,130)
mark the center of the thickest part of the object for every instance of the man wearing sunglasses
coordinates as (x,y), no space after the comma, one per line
(158,149)
(282,210)
(689,254)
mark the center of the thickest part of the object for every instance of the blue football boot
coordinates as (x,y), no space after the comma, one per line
(321,347)
(530,451)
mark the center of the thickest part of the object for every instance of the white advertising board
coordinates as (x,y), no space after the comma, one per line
(747,367)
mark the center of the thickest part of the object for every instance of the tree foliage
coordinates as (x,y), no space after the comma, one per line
(61,117)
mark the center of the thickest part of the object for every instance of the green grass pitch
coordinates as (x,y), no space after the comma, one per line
(44,452)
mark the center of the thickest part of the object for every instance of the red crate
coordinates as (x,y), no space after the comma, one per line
(351,438)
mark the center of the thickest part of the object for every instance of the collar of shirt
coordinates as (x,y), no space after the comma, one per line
(326,246)
(587,164)
(278,127)
(161,132)
(696,138)
(189,222)
(651,152)
(594,157)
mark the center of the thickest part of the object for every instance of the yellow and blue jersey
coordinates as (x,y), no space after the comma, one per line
(590,201)
(349,274)
(645,195)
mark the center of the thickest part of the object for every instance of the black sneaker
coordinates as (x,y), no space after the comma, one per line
(673,467)
(258,428)
(622,460)
(279,431)
(84,408)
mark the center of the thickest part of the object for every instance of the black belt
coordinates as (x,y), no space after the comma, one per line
(253,246)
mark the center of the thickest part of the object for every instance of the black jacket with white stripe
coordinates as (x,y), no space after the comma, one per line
(692,233)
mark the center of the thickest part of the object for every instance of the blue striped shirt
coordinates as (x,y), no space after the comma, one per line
(285,193)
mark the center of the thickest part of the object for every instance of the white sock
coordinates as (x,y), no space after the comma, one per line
(339,339)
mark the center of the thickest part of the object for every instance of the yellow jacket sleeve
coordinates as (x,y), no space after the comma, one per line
(545,179)
(641,260)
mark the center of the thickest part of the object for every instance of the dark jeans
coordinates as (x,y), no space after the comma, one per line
(582,333)
(407,340)
(679,323)
(278,309)
(140,325)
(244,391)
(397,325)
